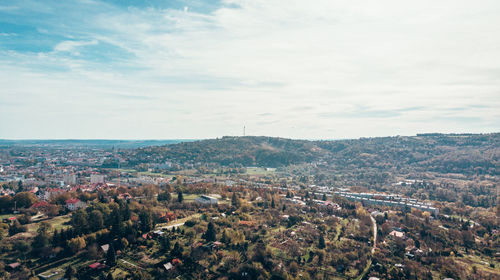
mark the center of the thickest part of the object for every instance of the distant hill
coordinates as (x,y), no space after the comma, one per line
(467,154)
(244,151)
(97,143)
(454,153)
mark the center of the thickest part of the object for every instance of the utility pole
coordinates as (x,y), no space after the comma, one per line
(244,130)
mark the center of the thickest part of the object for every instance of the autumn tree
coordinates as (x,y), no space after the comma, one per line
(164,196)
(79,221)
(24,199)
(97,220)
(42,239)
(76,244)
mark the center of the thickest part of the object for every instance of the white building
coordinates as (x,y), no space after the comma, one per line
(75,204)
(205,199)
(96,179)
(69,179)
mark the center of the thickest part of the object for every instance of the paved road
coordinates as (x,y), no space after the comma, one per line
(374,234)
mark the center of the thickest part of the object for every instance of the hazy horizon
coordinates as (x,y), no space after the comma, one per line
(218,137)
(201,69)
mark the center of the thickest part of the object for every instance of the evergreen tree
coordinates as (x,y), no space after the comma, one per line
(225,239)
(70,272)
(210,234)
(56,238)
(111,256)
(177,250)
(126,212)
(272,203)
(321,242)
(117,225)
(42,239)
(102,276)
(284,208)
(146,219)
(324,197)
(180,197)
(235,201)
(165,243)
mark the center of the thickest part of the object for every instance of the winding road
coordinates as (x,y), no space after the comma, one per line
(374,234)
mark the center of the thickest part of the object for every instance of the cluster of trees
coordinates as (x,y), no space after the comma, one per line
(20,200)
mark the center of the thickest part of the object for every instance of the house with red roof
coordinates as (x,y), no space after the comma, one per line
(97,265)
(13,266)
(75,204)
(124,196)
(41,206)
(176,261)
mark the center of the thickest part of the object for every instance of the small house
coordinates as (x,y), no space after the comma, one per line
(105,248)
(168,266)
(396,233)
(97,266)
(13,266)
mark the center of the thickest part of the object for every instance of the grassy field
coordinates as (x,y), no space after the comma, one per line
(121,170)
(6,216)
(178,221)
(57,223)
(152,174)
(259,171)
(189,197)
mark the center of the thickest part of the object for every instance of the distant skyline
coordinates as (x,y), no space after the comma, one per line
(205,69)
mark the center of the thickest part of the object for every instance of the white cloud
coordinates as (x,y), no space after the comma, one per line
(73,46)
(362,68)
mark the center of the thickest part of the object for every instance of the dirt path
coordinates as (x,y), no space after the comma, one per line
(374,234)
(369,264)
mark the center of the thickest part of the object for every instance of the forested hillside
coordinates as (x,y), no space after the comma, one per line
(242,151)
(466,154)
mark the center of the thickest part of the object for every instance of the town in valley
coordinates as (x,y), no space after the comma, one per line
(419,207)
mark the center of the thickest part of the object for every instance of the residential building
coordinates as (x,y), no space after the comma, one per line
(96,179)
(75,204)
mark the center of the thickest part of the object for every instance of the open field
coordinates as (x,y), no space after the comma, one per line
(57,223)
(260,171)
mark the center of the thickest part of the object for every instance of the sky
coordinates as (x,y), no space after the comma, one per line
(323,69)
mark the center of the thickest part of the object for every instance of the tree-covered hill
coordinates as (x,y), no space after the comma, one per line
(243,151)
(444,153)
